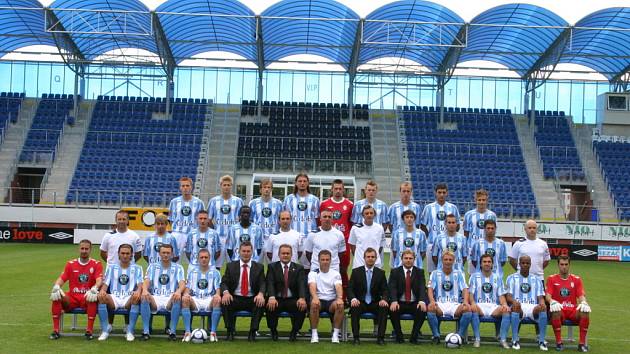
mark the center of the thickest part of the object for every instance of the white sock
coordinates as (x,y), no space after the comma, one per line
(314,332)
(336,332)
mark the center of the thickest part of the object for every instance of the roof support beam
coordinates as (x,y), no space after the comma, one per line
(354,64)
(166,58)
(536,76)
(621,81)
(448,65)
(68,49)
(260,61)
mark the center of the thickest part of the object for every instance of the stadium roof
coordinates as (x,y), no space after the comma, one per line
(522,37)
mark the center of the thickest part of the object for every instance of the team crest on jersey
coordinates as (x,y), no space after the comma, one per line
(186,210)
(302,206)
(202,242)
(123,279)
(157,246)
(164,279)
(526,288)
(244,237)
(409,242)
(202,284)
(452,246)
(481,223)
(491,252)
(266,212)
(225,209)
(447,285)
(83,278)
(336,215)
(564,292)
(486,288)
(441,215)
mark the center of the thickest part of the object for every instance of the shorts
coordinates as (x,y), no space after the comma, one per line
(223,258)
(324,305)
(120,301)
(528,310)
(181,239)
(487,308)
(161,303)
(448,308)
(569,313)
(430,265)
(202,304)
(76,300)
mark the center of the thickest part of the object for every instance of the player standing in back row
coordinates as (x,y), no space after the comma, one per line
(396,210)
(474,221)
(223,212)
(304,209)
(182,213)
(266,210)
(434,219)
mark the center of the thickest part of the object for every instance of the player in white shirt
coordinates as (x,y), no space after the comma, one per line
(285,236)
(526,296)
(366,235)
(120,235)
(245,231)
(324,285)
(151,251)
(266,209)
(448,296)
(433,219)
(121,288)
(371,188)
(303,205)
(203,237)
(409,237)
(453,241)
(533,247)
(203,293)
(487,299)
(223,212)
(326,238)
(182,212)
(474,221)
(489,245)
(163,286)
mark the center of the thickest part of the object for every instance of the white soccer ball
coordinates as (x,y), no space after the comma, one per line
(199,336)
(453,340)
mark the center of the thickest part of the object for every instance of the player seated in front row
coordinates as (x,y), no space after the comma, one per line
(324,285)
(448,296)
(162,289)
(121,289)
(203,293)
(526,296)
(84,275)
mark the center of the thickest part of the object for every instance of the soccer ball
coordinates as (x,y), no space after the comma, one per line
(453,340)
(199,336)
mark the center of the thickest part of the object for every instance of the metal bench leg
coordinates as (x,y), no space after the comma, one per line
(74,321)
(61,323)
(570,334)
(344,329)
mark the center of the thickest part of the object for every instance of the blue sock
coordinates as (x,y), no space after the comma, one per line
(175,310)
(103,316)
(542,326)
(216,316)
(516,320)
(505,326)
(464,321)
(145,312)
(434,324)
(186,318)
(475,325)
(134,311)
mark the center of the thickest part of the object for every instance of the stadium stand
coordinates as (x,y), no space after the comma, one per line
(311,135)
(614,160)
(41,144)
(556,146)
(477,148)
(10,103)
(133,154)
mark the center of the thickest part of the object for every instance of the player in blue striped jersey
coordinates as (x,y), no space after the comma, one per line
(122,287)
(487,299)
(303,206)
(162,289)
(433,219)
(489,245)
(453,241)
(394,213)
(223,212)
(151,251)
(182,211)
(526,296)
(202,293)
(203,238)
(245,231)
(408,237)
(266,209)
(382,217)
(448,296)
(475,219)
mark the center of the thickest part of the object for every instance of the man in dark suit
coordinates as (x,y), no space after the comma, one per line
(243,287)
(287,292)
(367,292)
(408,295)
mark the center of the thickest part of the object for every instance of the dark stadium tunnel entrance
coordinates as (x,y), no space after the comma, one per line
(26,185)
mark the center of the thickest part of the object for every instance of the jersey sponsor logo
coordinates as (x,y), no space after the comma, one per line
(451,246)
(447,285)
(157,246)
(244,237)
(409,242)
(202,284)
(186,210)
(164,279)
(302,206)
(490,251)
(441,215)
(123,279)
(564,292)
(225,209)
(83,278)
(336,215)
(526,288)
(481,223)
(486,288)
(202,242)
(266,212)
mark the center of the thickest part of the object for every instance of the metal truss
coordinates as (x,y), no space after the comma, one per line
(164,50)
(68,50)
(415,34)
(621,81)
(542,69)
(111,22)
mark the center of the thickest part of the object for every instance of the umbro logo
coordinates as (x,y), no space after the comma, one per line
(584,252)
(60,235)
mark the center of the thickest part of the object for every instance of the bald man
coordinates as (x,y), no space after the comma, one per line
(532,246)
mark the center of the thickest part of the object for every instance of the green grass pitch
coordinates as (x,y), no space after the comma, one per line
(28,271)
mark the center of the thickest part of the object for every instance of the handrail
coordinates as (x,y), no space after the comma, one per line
(461,146)
(137,136)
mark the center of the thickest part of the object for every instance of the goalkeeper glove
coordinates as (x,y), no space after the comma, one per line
(92,294)
(56,294)
(555,306)
(584,307)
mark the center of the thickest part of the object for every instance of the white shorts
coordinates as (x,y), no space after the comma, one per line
(448,308)
(120,301)
(224,256)
(430,265)
(181,239)
(487,308)
(528,310)
(161,302)
(203,304)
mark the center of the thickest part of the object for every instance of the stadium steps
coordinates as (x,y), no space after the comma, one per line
(545,193)
(14,141)
(224,132)
(386,159)
(601,197)
(72,140)
(203,151)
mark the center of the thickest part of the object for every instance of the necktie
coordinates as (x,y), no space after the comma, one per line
(285,291)
(244,281)
(368,294)
(408,286)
